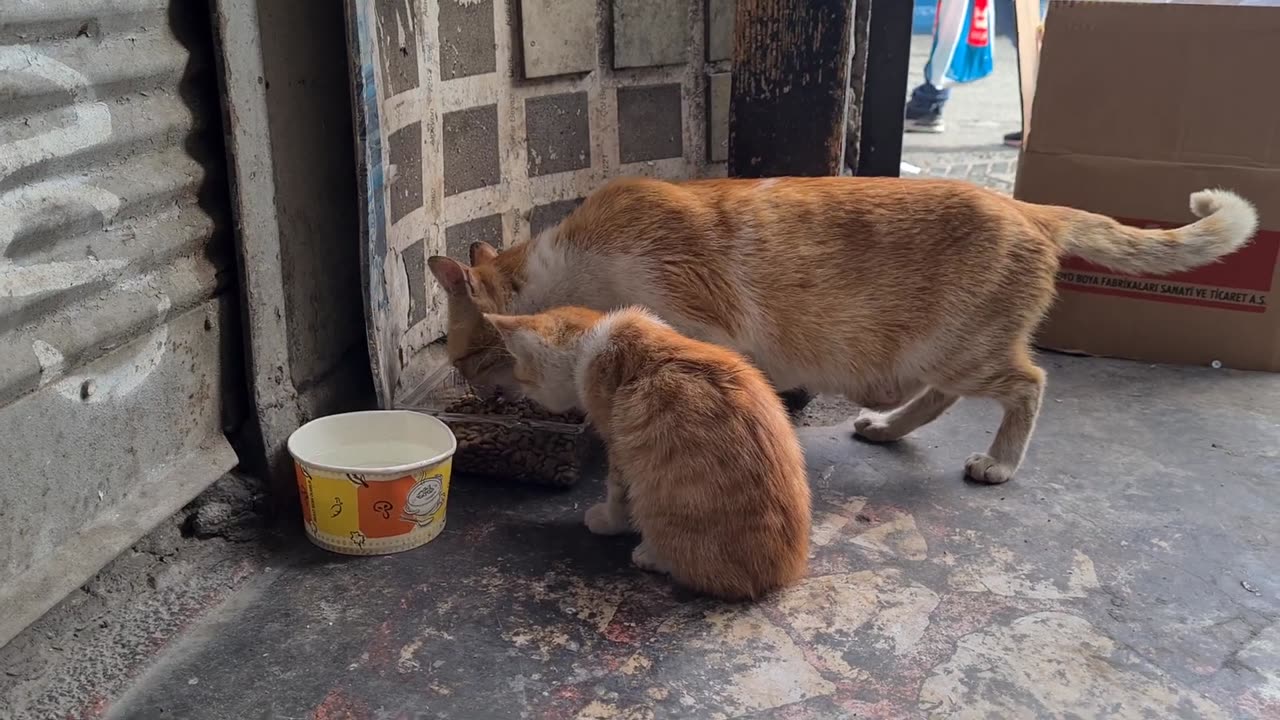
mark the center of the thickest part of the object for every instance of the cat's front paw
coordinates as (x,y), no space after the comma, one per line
(646,559)
(600,520)
(871,426)
(982,468)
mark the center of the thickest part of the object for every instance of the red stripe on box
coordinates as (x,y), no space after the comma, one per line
(1249,268)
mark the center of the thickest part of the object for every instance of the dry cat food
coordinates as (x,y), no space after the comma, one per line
(517,439)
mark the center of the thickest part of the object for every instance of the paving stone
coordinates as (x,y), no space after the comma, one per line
(648,33)
(471,149)
(545,216)
(558,36)
(398,44)
(415,269)
(558,132)
(650,121)
(467,44)
(995,169)
(719,86)
(720,15)
(458,238)
(404,151)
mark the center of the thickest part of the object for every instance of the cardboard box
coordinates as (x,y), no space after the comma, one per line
(1137,106)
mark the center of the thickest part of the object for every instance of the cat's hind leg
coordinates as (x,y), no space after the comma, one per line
(883,395)
(1019,390)
(898,423)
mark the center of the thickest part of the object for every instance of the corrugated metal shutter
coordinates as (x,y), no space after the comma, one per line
(116,327)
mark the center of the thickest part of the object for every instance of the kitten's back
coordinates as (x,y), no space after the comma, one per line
(717,475)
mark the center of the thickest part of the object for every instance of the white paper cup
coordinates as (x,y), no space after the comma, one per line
(374,482)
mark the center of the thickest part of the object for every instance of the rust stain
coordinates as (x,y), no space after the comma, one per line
(1260,707)
(379,649)
(337,706)
(620,632)
(95,708)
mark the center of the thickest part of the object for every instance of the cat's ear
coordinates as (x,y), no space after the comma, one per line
(453,276)
(482,252)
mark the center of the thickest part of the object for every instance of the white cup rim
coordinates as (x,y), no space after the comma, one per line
(390,472)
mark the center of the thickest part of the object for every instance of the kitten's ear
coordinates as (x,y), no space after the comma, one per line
(482,252)
(509,327)
(454,277)
(506,324)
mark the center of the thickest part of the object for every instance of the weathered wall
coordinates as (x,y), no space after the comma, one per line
(288,100)
(115,330)
(308,93)
(490,119)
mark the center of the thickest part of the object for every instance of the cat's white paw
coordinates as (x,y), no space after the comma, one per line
(981,467)
(871,426)
(644,558)
(600,521)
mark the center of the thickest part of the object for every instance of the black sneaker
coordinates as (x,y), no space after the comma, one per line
(1013,139)
(924,109)
(929,122)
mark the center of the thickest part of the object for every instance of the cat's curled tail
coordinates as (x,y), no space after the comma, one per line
(1227,222)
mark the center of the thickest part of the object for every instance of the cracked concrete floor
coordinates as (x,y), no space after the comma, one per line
(1124,574)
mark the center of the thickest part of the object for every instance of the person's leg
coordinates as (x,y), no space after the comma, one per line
(924,109)
(1004,24)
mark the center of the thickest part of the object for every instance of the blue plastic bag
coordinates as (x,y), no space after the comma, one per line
(961,49)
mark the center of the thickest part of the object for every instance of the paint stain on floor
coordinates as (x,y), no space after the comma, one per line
(1045,663)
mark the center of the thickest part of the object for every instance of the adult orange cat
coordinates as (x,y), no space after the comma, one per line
(886,290)
(703,460)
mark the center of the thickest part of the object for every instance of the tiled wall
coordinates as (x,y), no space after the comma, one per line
(498,116)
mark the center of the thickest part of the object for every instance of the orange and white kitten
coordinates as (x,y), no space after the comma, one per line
(703,460)
(904,295)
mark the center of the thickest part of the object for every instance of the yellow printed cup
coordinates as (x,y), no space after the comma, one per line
(373,482)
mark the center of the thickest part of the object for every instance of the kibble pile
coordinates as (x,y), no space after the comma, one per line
(535,455)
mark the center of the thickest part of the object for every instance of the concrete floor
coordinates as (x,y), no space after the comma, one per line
(1123,574)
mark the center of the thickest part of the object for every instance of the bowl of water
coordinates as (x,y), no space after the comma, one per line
(374,482)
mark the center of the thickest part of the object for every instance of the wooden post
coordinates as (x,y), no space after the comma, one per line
(790,87)
(857,85)
(884,96)
(1027,18)
(789,102)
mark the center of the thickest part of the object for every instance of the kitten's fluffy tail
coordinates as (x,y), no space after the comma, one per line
(1227,221)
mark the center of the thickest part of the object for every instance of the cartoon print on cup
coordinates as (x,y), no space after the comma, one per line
(357,479)
(358,538)
(336,507)
(304,494)
(424,500)
(383,508)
